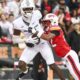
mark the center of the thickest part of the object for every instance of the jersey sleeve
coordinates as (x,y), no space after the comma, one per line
(36,16)
(17,23)
(55,30)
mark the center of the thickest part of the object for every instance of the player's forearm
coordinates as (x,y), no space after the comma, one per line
(47,36)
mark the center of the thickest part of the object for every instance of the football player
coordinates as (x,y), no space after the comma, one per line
(60,46)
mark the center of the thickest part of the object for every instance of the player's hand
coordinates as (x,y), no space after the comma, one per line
(31,41)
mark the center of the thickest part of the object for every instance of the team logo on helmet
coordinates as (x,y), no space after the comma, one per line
(52,18)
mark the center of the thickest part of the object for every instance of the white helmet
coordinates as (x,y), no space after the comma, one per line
(27,6)
(52,18)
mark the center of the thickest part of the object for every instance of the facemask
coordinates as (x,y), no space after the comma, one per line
(28,15)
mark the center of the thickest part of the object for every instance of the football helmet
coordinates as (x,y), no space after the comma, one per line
(52,18)
(27,6)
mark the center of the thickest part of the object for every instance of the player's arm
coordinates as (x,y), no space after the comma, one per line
(50,35)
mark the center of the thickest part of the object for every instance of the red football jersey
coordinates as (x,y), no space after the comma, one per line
(59,43)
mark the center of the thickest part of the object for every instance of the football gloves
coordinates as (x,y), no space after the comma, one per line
(32,41)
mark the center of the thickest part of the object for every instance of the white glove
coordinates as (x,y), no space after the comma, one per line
(33,40)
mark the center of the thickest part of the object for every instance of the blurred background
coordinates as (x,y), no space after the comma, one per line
(68,12)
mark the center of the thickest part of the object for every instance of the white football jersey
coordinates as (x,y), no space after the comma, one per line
(21,25)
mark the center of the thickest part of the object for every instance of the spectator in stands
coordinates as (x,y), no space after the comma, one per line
(73,4)
(5,8)
(54,3)
(61,5)
(15,7)
(45,5)
(75,18)
(11,17)
(7,28)
(66,24)
(74,38)
(62,11)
